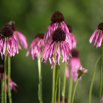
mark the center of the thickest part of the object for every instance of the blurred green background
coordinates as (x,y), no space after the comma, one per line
(33,16)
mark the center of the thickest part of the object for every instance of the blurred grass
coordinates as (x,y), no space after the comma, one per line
(33,16)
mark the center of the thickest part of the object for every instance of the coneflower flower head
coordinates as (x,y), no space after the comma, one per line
(58,35)
(59,39)
(36,46)
(97,36)
(57,17)
(75,53)
(12,84)
(57,21)
(75,65)
(18,36)
(7,41)
(6,31)
(72,39)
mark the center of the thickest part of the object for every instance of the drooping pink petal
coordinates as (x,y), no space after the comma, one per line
(93,35)
(100,38)
(22,39)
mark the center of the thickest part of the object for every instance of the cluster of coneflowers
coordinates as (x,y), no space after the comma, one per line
(11,41)
(58,45)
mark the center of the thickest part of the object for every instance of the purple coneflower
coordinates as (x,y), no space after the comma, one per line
(75,66)
(59,39)
(57,21)
(7,41)
(19,37)
(72,39)
(12,84)
(36,46)
(97,36)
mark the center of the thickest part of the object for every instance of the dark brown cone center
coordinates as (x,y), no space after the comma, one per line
(59,35)
(6,31)
(70,28)
(100,26)
(57,17)
(39,35)
(75,53)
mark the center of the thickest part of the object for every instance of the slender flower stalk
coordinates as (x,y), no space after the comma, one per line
(100,92)
(40,81)
(56,81)
(91,86)
(2,93)
(59,84)
(53,81)
(36,50)
(64,84)
(9,75)
(70,89)
(75,90)
(5,66)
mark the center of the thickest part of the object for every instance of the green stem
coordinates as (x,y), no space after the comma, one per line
(70,89)
(75,90)
(53,78)
(64,84)
(56,82)
(5,61)
(91,86)
(40,81)
(2,92)
(100,92)
(9,74)
(59,85)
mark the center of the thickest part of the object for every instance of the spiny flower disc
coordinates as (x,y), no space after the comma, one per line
(75,53)
(57,17)
(100,26)
(39,35)
(59,35)
(6,31)
(70,28)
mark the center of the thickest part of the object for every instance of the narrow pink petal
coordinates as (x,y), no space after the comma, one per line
(93,35)
(96,38)
(4,47)
(22,39)
(100,38)
(75,64)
